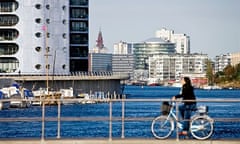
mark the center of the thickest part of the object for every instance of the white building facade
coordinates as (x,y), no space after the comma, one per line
(182,41)
(40,36)
(221,61)
(174,66)
(122,48)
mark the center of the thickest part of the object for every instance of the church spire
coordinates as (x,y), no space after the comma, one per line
(99,41)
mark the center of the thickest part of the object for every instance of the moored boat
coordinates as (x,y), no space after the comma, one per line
(4,102)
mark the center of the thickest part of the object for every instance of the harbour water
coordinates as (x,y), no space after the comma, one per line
(132,128)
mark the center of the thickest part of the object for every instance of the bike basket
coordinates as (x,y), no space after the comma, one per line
(165,108)
(202,109)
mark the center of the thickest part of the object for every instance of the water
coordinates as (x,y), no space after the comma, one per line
(133,129)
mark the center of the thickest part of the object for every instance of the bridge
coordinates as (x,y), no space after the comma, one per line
(111,118)
(82,82)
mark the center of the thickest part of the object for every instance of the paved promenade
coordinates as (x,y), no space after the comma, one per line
(118,141)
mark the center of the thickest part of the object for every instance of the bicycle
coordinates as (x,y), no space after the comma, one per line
(201,125)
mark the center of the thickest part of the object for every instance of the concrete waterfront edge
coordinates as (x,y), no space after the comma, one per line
(118,141)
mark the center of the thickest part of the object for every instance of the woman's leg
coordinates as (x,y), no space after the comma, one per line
(181,109)
(187,116)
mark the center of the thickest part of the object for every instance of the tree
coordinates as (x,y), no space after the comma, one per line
(229,72)
(209,72)
(237,72)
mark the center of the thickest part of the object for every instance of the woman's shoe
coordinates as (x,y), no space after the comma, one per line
(183,133)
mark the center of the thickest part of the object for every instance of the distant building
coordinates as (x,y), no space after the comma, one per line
(153,46)
(123,64)
(221,61)
(100,48)
(39,36)
(122,48)
(235,58)
(123,60)
(182,41)
(174,66)
(100,62)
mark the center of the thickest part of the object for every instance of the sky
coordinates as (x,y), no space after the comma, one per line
(213,25)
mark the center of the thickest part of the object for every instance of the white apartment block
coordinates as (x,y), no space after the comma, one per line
(221,61)
(182,41)
(122,48)
(174,66)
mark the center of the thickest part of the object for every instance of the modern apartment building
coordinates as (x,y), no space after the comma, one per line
(174,66)
(123,64)
(153,46)
(221,61)
(123,59)
(122,48)
(182,41)
(43,36)
(100,62)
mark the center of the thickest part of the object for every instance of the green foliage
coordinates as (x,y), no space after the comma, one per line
(230,73)
(209,72)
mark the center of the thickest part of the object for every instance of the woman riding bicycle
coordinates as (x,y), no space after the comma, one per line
(187,93)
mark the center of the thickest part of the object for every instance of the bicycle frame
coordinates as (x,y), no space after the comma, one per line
(173,115)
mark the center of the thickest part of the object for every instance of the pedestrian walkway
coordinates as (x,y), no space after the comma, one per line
(116,141)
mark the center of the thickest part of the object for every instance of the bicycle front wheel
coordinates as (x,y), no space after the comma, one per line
(162,127)
(201,127)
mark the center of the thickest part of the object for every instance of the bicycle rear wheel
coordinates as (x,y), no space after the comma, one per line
(162,127)
(201,127)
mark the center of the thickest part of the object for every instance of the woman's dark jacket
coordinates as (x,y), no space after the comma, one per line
(187,94)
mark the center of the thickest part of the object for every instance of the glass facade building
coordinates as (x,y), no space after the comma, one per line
(79,35)
(153,46)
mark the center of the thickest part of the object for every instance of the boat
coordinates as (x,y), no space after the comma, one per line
(4,101)
(18,97)
(153,82)
(67,96)
(211,87)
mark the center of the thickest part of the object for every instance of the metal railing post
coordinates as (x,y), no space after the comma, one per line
(59,119)
(123,116)
(43,119)
(110,120)
(177,118)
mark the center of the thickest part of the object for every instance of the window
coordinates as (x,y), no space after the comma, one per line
(64,21)
(38,49)
(8,65)
(38,34)
(47,66)
(38,20)
(48,21)
(38,6)
(8,20)
(64,35)
(48,35)
(38,66)
(48,49)
(48,6)
(64,66)
(64,7)
(7,6)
